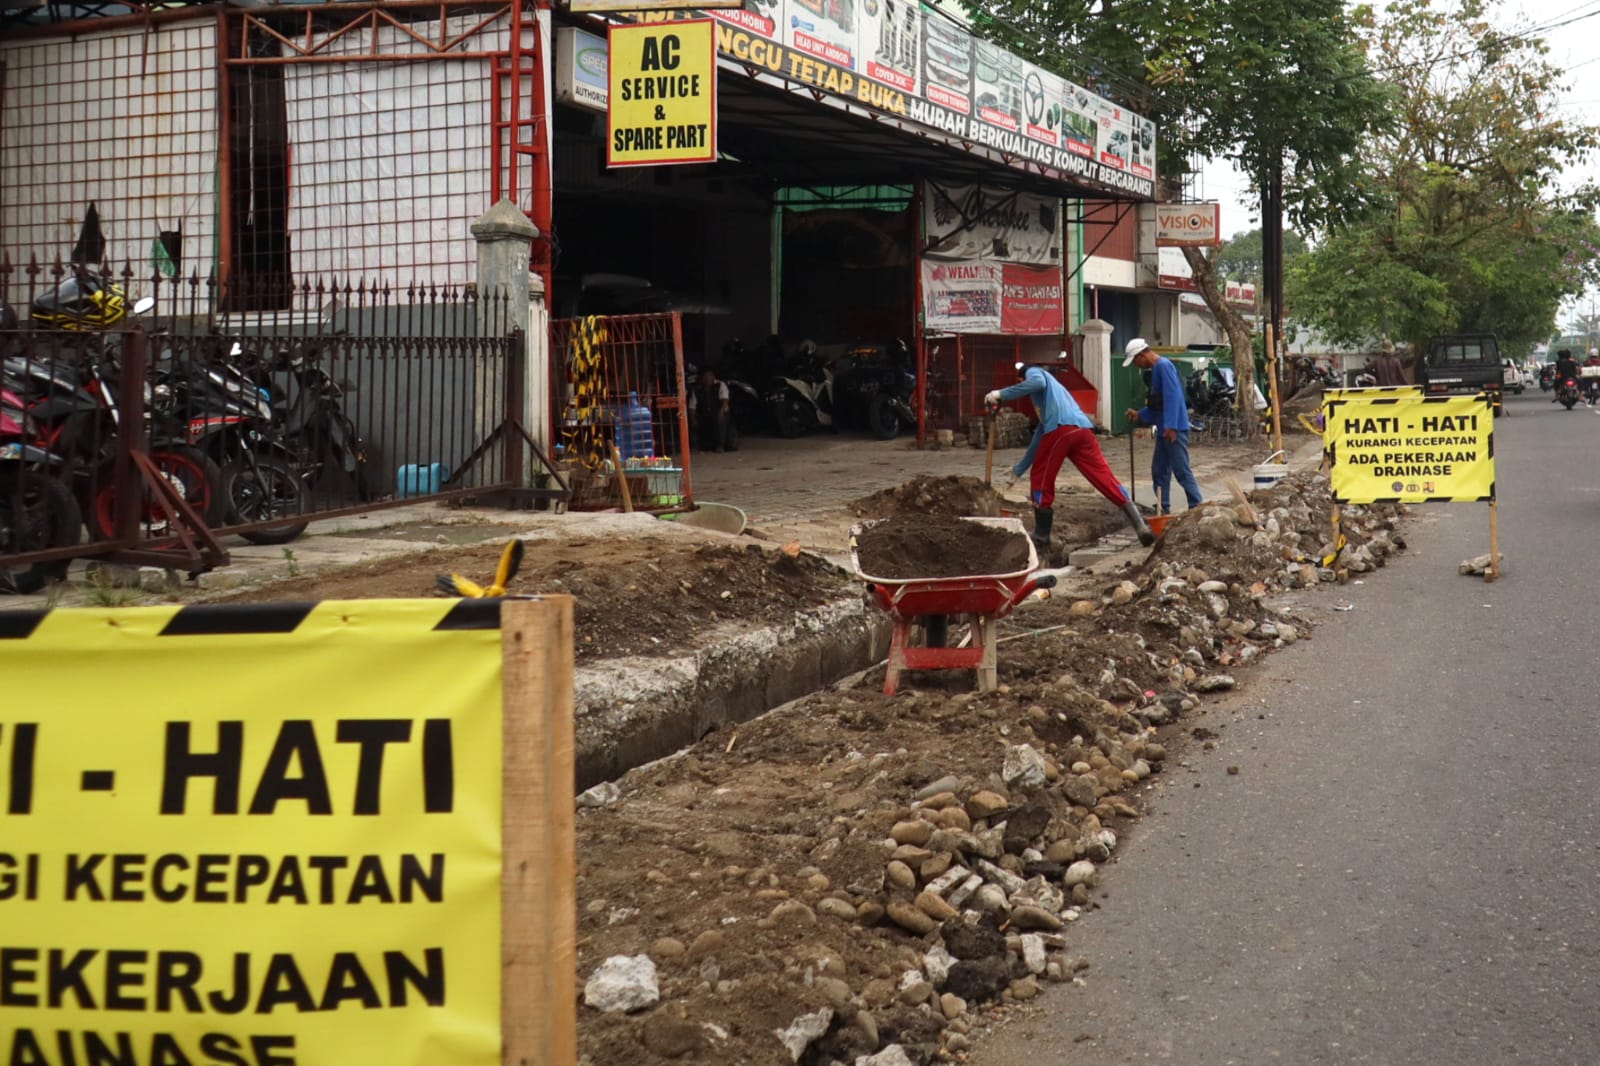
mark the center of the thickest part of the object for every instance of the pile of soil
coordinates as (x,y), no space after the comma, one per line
(927,495)
(634,596)
(927,546)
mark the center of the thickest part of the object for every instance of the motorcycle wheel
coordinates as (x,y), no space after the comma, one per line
(881,418)
(1567,402)
(190,470)
(40,513)
(787,419)
(255,493)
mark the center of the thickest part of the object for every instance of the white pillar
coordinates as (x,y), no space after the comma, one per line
(1097,364)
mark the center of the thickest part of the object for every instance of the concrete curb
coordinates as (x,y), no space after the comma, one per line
(634,710)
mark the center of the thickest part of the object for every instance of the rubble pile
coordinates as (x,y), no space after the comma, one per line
(862,880)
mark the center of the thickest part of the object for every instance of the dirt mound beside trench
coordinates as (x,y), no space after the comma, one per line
(634,595)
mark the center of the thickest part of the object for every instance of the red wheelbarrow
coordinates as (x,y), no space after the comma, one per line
(985,598)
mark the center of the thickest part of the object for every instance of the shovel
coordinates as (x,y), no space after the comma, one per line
(988,465)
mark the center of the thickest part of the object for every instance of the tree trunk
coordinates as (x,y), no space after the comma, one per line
(1233,323)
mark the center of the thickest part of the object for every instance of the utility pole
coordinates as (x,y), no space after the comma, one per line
(1272,282)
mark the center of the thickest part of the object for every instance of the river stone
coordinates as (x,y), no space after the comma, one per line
(1035,918)
(911,919)
(893,1055)
(952,1006)
(835,991)
(1215,683)
(837,908)
(986,804)
(935,907)
(947,783)
(899,875)
(1079,790)
(914,832)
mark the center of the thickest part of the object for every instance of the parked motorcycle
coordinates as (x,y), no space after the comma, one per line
(1210,391)
(37,509)
(71,393)
(801,397)
(229,417)
(877,389)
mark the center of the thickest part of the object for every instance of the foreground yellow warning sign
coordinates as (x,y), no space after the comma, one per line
(266,836)
(663,101)
(1407,448)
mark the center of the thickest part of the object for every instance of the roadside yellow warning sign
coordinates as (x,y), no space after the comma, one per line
(663,98)
(264,835)
(1409,449)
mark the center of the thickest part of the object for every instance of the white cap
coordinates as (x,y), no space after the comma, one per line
(1135,346)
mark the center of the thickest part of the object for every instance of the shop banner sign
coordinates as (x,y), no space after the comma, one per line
(971,222)
(266,834)
(581,77)
(1402,448)
(961,296)
(1188,225)
(1031,301)
(913,64)
(663,94)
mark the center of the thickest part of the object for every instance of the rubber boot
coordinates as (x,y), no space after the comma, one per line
(1043,519)
(1136,520)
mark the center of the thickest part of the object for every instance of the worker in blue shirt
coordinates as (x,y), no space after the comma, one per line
(1167,409)
(1064,432)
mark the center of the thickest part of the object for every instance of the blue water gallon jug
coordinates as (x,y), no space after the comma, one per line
(420,479)
(635,439)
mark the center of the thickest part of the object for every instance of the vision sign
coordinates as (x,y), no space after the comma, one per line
(1188,225)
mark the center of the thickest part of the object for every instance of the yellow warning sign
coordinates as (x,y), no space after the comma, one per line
(267,835)
(663,101)
(1406,448)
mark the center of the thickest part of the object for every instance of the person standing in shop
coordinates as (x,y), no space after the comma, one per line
(1167,409)
(1064,432)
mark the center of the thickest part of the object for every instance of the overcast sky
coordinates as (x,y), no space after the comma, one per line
(1572,47)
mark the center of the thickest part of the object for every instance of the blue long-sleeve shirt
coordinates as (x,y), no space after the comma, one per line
(1167,387)
(1054,403)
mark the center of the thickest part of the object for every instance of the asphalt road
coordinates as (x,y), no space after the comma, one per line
(1406,867)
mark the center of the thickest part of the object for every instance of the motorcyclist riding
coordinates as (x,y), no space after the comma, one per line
(1566,367)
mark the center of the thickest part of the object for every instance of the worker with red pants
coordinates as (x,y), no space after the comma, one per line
(1064,432)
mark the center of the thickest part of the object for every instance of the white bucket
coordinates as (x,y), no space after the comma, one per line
(1271,472)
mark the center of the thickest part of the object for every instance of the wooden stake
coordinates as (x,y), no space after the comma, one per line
(1493,573)
(538,878)
(622,479)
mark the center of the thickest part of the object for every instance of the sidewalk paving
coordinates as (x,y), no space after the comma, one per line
(798,490)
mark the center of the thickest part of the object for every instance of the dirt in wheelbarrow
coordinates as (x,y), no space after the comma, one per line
(634,596)
(929,495)
(930,546)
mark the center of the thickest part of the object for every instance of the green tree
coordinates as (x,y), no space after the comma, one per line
(1240,257)
(1468,231)
(1268,84)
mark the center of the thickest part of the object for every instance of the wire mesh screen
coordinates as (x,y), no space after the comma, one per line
(622,400)
(288,148)
(108,147)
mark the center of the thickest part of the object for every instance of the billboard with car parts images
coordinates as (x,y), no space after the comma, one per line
(917,65)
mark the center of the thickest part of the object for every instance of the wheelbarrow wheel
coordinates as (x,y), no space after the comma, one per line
(935,630)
